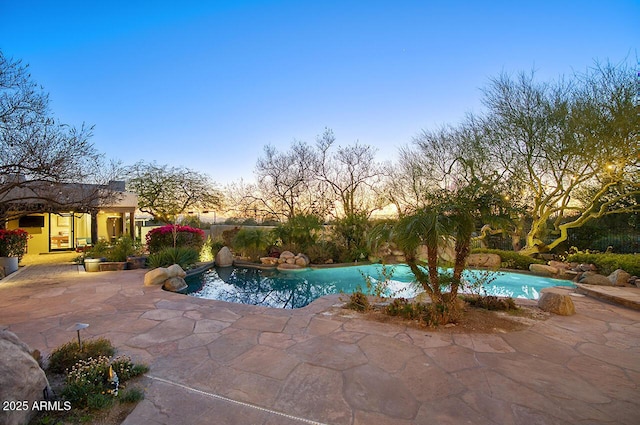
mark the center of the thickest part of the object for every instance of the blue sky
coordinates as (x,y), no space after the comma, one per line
(207,84)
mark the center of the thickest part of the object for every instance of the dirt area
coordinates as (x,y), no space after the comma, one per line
(474,320)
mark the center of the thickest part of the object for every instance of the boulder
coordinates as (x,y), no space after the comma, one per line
(592,278)
(21,378)
(559,265)
(174,284)
(224,257)
(543,269)
(619,278)
(270,261)
(156,276)
(290,261)
(491,261)
(287,266)
(175,271)
(302,260)
(287,254)
(557,303)
(587,268)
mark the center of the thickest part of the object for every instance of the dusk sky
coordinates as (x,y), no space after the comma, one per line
(206,84)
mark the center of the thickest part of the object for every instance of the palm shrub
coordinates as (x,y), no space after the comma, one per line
(432,227)
(185,257)
(174,235)
(299,232)
(252,243)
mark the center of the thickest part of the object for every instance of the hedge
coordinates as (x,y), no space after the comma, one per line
(607,263)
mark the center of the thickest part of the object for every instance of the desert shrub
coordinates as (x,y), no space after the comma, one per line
(123,247)
(358,301)
(99,250)
(299,233)
(126,369)
(607,263)
(429,314)
(229,235)
(321,252)
(252,243)
(185,257)
(407,310)
(350,233)
(67,355)
(94,382)
(510,259)
(131,395)
(177,236)
(490,302)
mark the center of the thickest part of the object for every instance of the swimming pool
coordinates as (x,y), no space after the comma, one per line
(295,289)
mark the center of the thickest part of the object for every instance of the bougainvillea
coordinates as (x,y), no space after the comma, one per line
(183,236)
(13,243)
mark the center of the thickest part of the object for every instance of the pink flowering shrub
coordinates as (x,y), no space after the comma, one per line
(13,243)
(185,236)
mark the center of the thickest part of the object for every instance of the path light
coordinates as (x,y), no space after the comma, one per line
(77,328)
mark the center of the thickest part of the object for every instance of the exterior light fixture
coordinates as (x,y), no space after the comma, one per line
(77,328)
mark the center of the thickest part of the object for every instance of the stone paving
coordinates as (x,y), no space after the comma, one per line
(220,363)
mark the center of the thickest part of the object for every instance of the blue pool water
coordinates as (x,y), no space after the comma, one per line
(295,289)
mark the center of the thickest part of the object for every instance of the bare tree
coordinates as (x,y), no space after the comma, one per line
(351,173)
(166,192)
(284,181)
(44,165)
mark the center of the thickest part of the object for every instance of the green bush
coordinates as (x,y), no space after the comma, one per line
(131,395)
(99,250)
(66,356)
(184,257)
(510,259)
(607,263)
(122,248)
(252,243)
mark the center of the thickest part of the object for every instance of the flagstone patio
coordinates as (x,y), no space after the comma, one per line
(216,362)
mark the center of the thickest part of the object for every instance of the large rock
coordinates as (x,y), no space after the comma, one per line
(491,261)
(559,265)
(619,278)
(557,303)
(287,266)
(21,379)
(287,254)
(592,278)
(175,271)
(224,257)
(269,261)
(156,276)
(174,284)
(543,269)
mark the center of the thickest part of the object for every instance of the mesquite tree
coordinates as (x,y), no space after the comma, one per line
(44,165)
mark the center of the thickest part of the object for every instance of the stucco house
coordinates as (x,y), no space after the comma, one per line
(71,216)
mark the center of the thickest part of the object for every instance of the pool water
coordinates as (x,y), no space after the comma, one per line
(297,288)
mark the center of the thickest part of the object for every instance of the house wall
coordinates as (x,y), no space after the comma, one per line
(39,241)
(55,225)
